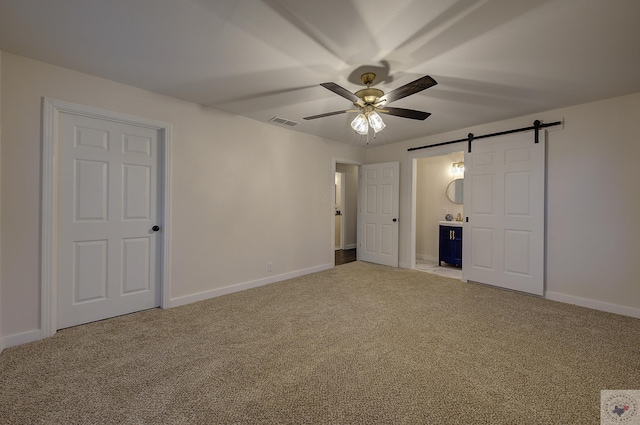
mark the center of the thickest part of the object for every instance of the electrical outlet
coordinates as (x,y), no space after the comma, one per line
(269,266)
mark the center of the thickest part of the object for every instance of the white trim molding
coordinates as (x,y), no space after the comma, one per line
(594,304)
(21,338)
(50,118)
(201,296)
(334,165)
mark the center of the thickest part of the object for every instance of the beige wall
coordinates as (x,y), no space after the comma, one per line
(592,195)
(228,221)
(244,193)
(1,339)
(433,175)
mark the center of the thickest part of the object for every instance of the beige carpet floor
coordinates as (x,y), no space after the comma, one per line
(358,344)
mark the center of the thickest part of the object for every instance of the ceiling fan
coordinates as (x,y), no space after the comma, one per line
(370,101)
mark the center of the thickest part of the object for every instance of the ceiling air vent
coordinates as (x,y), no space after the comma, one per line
(283,121)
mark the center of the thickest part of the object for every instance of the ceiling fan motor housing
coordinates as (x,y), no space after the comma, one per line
(369,95)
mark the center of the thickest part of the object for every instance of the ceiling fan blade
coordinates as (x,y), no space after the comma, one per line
(410,88)
(341,91)
(406,113)
(328,114)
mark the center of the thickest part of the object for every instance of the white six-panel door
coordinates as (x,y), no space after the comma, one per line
(108,204)
(378,207)
(504,201)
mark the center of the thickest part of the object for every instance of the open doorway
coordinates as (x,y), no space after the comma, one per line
(345,236)
(437,207)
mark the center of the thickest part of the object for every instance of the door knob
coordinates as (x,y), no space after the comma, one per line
(395,219)
(155,228)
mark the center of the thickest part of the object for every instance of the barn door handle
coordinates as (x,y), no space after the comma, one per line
(155,228)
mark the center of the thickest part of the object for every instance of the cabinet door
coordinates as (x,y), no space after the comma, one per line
(456,246)
(451,245)
(442,254)
(445,245)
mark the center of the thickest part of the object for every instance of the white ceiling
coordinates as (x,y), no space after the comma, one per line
(493,59)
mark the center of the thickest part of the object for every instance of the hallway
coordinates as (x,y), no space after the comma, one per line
(344,256)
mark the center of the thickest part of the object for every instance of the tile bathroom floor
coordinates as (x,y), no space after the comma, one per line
(444,270)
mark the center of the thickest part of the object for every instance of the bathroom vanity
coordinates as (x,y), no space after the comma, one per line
(450,243)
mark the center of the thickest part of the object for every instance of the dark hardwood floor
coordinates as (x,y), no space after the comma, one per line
(344,256)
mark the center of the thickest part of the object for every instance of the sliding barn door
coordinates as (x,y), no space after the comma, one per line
(504,203)
(378,207)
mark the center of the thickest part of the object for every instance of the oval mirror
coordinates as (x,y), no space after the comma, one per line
(455,191)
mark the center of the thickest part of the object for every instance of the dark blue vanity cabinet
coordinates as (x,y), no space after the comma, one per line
(450,245)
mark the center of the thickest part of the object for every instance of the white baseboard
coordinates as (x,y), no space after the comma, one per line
(596,305)
(201,296)
(21,338)
(352,246)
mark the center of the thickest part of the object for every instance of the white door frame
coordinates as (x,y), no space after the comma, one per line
(333,213)
(49,237)
(413,181)
(343,186)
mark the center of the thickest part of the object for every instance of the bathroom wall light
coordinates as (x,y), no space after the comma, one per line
(457,169)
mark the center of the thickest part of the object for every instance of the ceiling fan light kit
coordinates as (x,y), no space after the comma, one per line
(369,103)
(362,122)
(360,125)
(375,121)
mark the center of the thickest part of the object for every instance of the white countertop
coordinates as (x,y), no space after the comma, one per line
(451,223)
